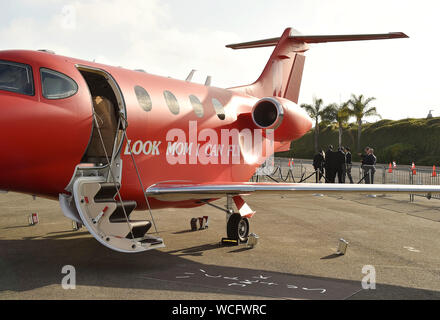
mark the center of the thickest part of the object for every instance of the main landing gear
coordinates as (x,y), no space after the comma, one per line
(237,223)
(237,227)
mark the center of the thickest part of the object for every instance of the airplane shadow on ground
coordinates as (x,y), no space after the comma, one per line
(196,250)
(32,264)
(331,256)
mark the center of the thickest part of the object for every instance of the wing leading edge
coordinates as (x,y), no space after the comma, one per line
(191,191)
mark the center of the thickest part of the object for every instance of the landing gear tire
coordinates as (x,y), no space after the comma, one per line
(238,228)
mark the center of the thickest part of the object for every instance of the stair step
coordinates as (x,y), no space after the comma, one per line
(108,219)
(119,215)
(107,192)
(152,241)
(139,229)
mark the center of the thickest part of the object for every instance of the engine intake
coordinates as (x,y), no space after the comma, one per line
(268,113)
(285,117)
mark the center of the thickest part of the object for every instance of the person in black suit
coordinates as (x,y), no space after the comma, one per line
(318,165)
(368,165)
(330,165)
(340,164)
(348,163)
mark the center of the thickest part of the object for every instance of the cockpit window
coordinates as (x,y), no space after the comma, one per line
(16,77)
(57,85)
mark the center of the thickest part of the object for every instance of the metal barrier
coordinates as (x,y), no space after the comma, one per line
(301,170)
(426,177)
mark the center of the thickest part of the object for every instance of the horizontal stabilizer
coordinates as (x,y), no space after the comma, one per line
(318,39)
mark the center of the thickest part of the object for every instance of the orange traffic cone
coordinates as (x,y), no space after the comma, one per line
(434,172)
(390,168)
(413,168)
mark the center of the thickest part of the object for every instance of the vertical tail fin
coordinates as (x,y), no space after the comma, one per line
(283,72)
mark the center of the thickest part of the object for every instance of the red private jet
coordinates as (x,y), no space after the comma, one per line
(106,140)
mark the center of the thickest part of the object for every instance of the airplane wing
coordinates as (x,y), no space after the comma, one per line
(179,191)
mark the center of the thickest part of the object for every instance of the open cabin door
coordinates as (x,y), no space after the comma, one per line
(108,106)
(94,198)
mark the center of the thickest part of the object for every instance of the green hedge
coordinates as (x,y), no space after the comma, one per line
(403,141)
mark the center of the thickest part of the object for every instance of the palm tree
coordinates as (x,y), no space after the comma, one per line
(360,109)
(339,114)
(315,111)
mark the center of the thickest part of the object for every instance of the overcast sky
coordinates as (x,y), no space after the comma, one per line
(171,37)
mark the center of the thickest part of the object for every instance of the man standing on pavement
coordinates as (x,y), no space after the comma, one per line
(318,165)
(348,163)
(330,165)
(340,165)
(368,166)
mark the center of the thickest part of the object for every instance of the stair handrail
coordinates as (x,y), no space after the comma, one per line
(111,173)
(125,136)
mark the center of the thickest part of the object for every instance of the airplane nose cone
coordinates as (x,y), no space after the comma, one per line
(24,142)
(10,138)
(41,144)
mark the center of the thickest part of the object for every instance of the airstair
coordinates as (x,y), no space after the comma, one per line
(93,203)
(93,199)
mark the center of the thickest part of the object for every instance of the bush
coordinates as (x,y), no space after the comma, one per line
(403,141)
(401,152)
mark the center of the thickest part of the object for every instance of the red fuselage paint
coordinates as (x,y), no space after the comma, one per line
(44,140)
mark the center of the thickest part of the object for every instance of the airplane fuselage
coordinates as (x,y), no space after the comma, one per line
(45,139)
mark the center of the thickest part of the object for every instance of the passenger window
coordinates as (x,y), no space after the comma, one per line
(143,98)
(197,106)
(16,77)
(218,107)
(172,103)
(56,85)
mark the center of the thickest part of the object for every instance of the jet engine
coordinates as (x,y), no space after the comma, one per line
(286,118)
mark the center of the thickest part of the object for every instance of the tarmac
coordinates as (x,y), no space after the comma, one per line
(295,257)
